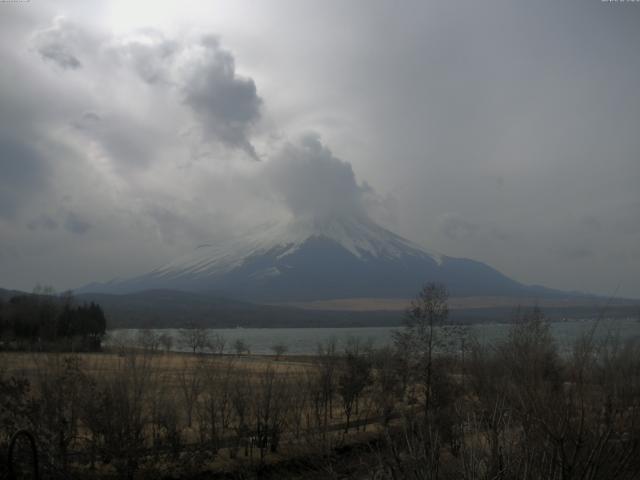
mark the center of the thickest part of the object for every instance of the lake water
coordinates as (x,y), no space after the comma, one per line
(303,341)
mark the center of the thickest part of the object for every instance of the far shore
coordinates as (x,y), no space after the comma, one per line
(364,304)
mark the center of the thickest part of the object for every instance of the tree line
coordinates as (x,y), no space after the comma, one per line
(42,320)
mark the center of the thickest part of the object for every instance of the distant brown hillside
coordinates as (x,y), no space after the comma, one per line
(399,304)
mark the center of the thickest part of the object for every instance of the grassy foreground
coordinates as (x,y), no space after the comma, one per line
(513,410)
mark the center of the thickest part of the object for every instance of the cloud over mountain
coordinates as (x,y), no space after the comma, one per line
(313,182)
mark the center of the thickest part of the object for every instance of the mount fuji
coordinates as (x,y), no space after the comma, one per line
(317,259)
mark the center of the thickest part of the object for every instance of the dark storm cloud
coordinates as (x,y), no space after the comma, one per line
(226,104)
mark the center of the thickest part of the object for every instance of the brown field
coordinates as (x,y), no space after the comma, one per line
(166,381)
(29,363)
(399,413)
(400,304)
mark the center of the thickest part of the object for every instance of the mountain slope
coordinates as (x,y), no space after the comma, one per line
(310,259)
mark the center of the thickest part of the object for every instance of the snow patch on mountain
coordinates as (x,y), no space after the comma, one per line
(311,258)
(361,237)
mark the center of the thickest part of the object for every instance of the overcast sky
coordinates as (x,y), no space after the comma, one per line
(503,131)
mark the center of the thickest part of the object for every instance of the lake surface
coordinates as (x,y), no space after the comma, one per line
(303,341)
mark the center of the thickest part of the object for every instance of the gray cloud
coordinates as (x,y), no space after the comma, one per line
(573,252)
(44,222)
(502,235)
(194,71)
(91,117)
(126,142)
(23,170)
(381,208)
(150,54)
(74,223)
(174,227)
(628,218)
(58,42)
(313,182)
(455,228)
(592,223)
(226,104)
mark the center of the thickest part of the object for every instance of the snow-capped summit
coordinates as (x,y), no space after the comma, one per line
(311,258)
(361,237)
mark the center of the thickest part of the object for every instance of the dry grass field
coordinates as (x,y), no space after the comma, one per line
(514,410)
(223,412)
(29,363)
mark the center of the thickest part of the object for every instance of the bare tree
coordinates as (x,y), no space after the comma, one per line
(117,415)
(148,339)
(279,349)
(190,382)
(121,341)
(387,382)
(241,347)
(217,343)
(165,428)
(419,336)
(166,340)
(326,363)
(269,404)
(240,401)
(215,407)
(195,338)
(354,377)
(62,386)
(299,403)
